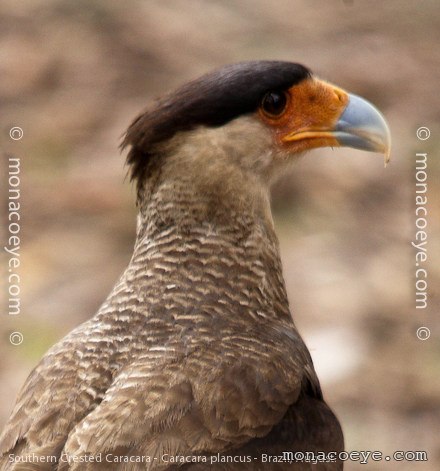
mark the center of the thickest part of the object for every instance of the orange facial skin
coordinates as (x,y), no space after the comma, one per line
(312,111)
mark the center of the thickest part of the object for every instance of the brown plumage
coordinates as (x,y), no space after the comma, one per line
(194,353)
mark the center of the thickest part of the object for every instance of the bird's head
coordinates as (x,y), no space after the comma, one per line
(253,117)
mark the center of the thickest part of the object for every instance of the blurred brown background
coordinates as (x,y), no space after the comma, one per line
(74,74)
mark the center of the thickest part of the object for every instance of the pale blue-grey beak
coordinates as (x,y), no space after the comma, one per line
(363,127)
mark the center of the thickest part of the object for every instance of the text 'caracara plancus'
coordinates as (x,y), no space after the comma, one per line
(194,355)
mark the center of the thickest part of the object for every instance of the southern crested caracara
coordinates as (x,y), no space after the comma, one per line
(194,355)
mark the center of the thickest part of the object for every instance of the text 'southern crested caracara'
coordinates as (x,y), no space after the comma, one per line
(194,355)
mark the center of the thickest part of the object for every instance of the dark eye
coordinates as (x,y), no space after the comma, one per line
(274,103)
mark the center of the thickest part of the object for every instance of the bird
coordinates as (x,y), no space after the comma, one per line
(194,361)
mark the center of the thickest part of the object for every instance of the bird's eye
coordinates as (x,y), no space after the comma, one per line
(274,103)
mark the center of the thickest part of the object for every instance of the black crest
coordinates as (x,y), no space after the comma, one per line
(212,100)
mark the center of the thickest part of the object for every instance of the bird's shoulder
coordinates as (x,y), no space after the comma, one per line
(214,392)
(203,398)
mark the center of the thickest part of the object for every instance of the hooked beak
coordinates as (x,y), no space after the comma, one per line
(362,126)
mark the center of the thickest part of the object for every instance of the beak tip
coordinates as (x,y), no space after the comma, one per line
(387,156)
